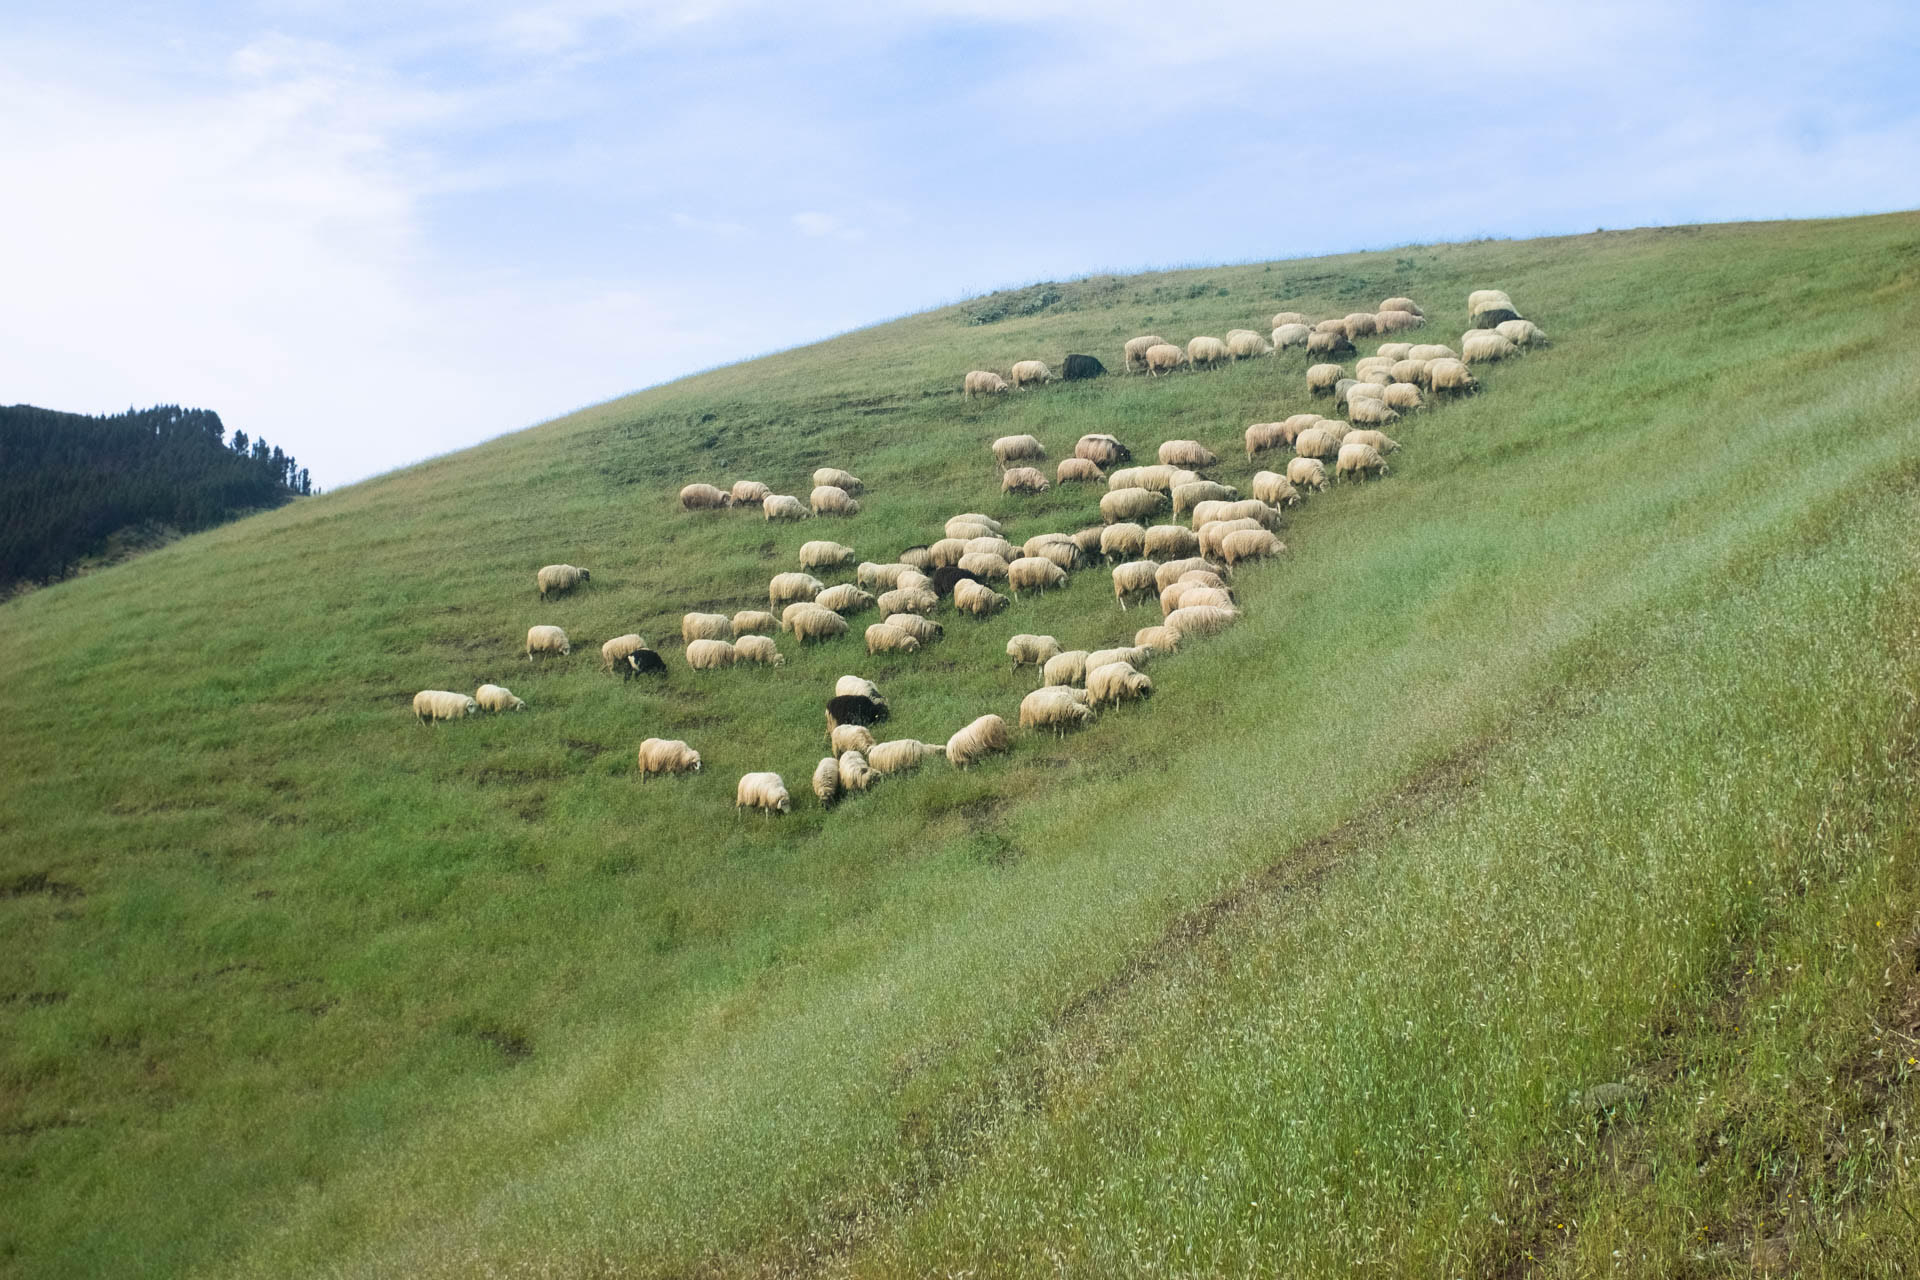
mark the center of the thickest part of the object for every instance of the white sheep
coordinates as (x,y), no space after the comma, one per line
(991,544)
(825,555)
(979,739)
(785,588)
(850,737)
(1101,450)
(1134,354)
(974,517)
(858,687)
(826,777)
(617,649)
(1451,375)
(1378,439)
(1137,655)
(556,579)
(1077,471)
(1164,357)
(844,599)
(1023,480)
(1008,450)
(835,478)
(1274,488)
(749,493)
(547,640)
(762,791)
(1485,347)
(440,704)
(811,622)
(831,500)
(1133,579)
(1317,442)
(1432,351)
(1055,707)
(882,577)
(885,638)
(1170,542)
(908,600)
(1202,620)
(1322,378)
(1359,461)
(784,506)
(1171,572)
(925,630)
(1034,573)
(984,565)
(977,598)
(982,382)
(711,655)
(1245,544)
(1206,351)
(758,650)
(667,755)
(1069,667)
(902,754)
(704,626)
(495,697)
(753,622)
(702,497)
(1186,453)
(1245,344)
(855,775)
(1371,413)
(1130,504)
(1123,541)
(1522,333)
(1160,639)
(1291,334)
(1031,650)
(1026,371)
(1307,473)
(1115,683)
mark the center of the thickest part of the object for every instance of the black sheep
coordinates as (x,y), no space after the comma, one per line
(1078,367)
(945,576)
(854,708)
(643,662)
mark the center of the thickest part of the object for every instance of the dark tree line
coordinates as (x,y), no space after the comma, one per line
(68,481)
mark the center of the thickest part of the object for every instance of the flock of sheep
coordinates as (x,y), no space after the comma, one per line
(1186,568)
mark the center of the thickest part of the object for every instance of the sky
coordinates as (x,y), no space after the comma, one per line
(376,232)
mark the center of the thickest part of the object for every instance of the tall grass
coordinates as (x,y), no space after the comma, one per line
(303,986)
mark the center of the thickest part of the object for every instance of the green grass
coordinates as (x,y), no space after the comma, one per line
(1521,758)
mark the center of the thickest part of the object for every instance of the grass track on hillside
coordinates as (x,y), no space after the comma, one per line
(379,998)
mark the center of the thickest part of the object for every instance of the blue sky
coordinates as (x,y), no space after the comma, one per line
(374,232)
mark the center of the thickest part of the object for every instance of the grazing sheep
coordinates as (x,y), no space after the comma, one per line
(844,599)
(1102,450)
(1186,453)
(1212,534)
(1245,344)
(1203,578)
(947,577)
(749,493)
(667,755)
(832,500)
(1169,573)
(985,566)
(616,650)
(784,588)
(1403,397)
(1065,553)
(882,638)
(1452,376)
(557,579)
(1274,488)
(1170,596)
(977,599)
(908,600)
(815,623)
(1334,427)
(1026,371)
(1366,363)
(1161,639)
(1123,541)
(1205,350)
(1080,368)
(1076,471)
(1432,351)
(947,552)
(1028,650)
(1401,304)
(1136,655)
(1360,460)
(1135,578)
(1135,352)
(1522,333)
(642,662)
(1245,508)
(1360,324)
(702,497)
(982,383)
(762,791)
(858,686)
(754,622)
(1307,473)
(784,506)
(1023,480)
(833,477)
(1412,372)
(1291,335)
(855,775)
(1034,573)
(885,577)
(983,737)
(1069,667)
(1170,542)
(854,708)
(1480,297)
(1487,346)
(1288,317)
(826,780)
(1130,504)
(758,650)
(1322,378)
(1087,541)
(925,630)
(850,737)
(1329,344)
(710,655)
(1202,620)
(496,697)
(1491,312)
(1316,442)
(1337,325)
(1371,413)
(1340,390)
(1378,439)
(902,754)
(1164,357)
(1397,322)
(973,517)
(1247,544)
(1115,683)
(1262,436)
(914,580)
(1165,478)
(917,558)
(1055,707)
(825,555)
(440,704)
(1008,450)
(547,640)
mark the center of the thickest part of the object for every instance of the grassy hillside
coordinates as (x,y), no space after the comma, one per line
(1577,751)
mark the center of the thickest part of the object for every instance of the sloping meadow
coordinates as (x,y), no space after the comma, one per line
(303,985)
